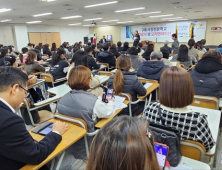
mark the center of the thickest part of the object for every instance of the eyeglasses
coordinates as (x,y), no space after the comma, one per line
(26,91)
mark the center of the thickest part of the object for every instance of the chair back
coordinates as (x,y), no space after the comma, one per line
(143,80)
(47,77)
(192,149)
(105,73)
(206,102)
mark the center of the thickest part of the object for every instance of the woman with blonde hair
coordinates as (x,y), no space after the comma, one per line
(125,143)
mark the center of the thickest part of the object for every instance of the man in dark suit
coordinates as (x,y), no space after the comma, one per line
(103,40)
(17,148)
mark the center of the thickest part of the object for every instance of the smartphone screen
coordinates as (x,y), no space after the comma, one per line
(161,153)
(104,98)
(47,130)
(109,94)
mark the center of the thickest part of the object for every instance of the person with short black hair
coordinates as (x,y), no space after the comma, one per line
(91,63)
(135,59)
(17,146)
(193,53)
(29,46)
(166,47)
(10,60)
(89,44)
(94,49)
(175,44)
(106,56)
(154,68)
(103,40)
(1,45)
(46,50)
(114,50)
(125,46)
(3,52)
(119,48)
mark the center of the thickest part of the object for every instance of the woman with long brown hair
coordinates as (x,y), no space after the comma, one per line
(125,143)
(126,82)
(136,38)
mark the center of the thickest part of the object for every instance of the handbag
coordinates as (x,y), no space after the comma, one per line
(169,136)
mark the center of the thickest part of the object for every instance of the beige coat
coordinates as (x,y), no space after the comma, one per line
(194,54)
(96,91)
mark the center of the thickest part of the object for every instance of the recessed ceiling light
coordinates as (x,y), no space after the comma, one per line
(178,7)
(106,3)
(92,19)
(197,11)
(5,9)
(74,24)
(122,22)
(156,12)
(47,0)
(155,16)
(70,17)
(6,20)
(132,9)
(33,22)
(38,15)
(178,20)
(171,18)
(111,20)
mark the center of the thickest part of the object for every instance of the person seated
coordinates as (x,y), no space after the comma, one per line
(119,48)
(54,48)
(139,49)
(10,60)
(165,58)
(46,50)
(125,46)
(148,51)
(135,59)
(80,103)
(121,144)
(59,66)
(29,46)
(80,58)
(206,75)
(106,56)
(183,56)
(219,48)
(65,45)
(203,42)
(193,53)
(12,51)
(176,92)
(91,63)
(31,64)
(200,47)
(114,50)
(154,68)
(24,54)
(144,47)
(126,82)
(3,52)
(17,146)
(166,46)
(94,50)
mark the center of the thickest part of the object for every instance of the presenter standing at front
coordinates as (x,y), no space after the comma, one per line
(136,38)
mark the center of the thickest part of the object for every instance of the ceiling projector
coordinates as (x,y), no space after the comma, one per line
(93,23)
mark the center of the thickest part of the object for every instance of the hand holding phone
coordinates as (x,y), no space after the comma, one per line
(161,153)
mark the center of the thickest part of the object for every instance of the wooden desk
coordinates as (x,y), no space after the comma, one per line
(220,104)
(60,90)
(149,90)
(73,134)
(38,83)
(101,68)
(104,121)
(213,118)
(102,80)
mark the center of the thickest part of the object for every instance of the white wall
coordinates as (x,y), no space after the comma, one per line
(6,35)
(68,34)
(20,37)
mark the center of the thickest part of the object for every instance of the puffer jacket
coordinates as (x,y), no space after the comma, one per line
(106,57)
(151,69)
(132,86)
(207,77)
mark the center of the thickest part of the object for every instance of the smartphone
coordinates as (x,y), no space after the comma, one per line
(46,130)
(161,153)
(109,94)
(104,99)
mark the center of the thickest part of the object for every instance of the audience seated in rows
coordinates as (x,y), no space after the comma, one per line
(193,53)
(135,59)
(106,56)
(46,50)
(176,92)
(126,82)
(119,48)
(80,58)
(148,51)
(207,75)
(166,47)
(91,63)
(3,52)
(183,57)
(125,143)
(114,50)
(154,68)
(80,103)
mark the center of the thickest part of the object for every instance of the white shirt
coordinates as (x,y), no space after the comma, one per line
(3,101)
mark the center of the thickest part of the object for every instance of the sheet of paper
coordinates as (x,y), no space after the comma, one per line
(170,58)
(181,167)
(113,71)
(147,85)
(118,102)
(102,66)
(174,63)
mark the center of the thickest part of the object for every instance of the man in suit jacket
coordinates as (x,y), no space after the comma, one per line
(17,148)
(103,40)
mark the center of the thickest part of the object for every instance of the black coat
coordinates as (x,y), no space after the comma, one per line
(132,86)
(146,55)
(106,57)
(17,148)
(91,63)
(166,47)
(47,51)
(119,49)
(115,52)
(207,77)
(101,41)
(57,69)
(151,69)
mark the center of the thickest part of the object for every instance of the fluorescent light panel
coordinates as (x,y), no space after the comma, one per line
(70,17)
(122,22)
(93,19)
(155,16)
(75,24)
(33,22)
(132,9)
(101,4)
(5,9)
(177,19)
(171,18)
(6,20)
(155,12)
(39,15)
(111,20)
